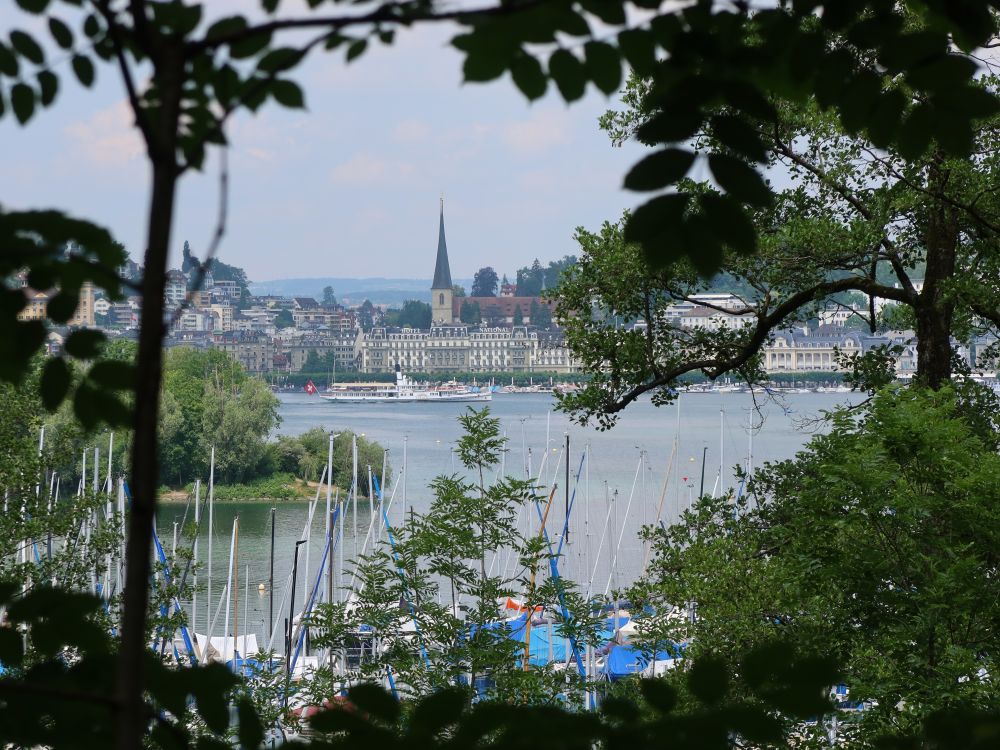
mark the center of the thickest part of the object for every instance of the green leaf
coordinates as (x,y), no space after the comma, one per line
(568,73)
(438,710)
(250,46)
(113,374)
(639,47)
(659,695)
(604,66)
(11,648)
(62,306)
(858,101)
(356,49)
(737,135)
(91,26)
(373,700)
(670,126)
(225,27)
(250,730)
(84,343)
(528,76)
(62,33)
(481,66)
(740,180)
(884,120)
(8,62)
(210,685)
(55,383)
(22,100)
(708,680)
(611,13)
(621,709)
(288,94)
(33,6)
(656,217)
(49,86)
(945,72)
(84,70)
(916,132)
(280,59)
(26,46)
(902,52)
(659,169)
(729,222)
(954,135)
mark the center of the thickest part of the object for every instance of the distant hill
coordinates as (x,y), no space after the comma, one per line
(380,290)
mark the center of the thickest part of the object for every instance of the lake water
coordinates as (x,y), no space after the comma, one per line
(620,488)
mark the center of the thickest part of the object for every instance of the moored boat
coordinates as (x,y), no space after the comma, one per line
(404,390)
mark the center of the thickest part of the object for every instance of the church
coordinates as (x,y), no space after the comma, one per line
(446,308)
(450,346)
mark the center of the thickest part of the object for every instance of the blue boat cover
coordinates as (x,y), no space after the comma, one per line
(624,661)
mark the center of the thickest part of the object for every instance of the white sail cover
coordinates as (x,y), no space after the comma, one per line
(225,648)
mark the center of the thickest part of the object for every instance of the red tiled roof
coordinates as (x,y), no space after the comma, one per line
(506,305)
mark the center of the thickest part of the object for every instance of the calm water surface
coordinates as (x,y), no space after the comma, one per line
(621,485)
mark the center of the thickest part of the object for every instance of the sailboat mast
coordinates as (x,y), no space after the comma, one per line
(211,511)
(354,489)
(236,588)
(194,553)
(329,519)
(722,462)
(229,588)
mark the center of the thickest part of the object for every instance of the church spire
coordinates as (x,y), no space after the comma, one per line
(442,272)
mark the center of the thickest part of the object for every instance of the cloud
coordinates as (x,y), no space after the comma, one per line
(107,138)
(364,169)
(540,132)
(411,131)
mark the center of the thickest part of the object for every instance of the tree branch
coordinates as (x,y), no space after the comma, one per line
(401,13)
(717,366)
(848,195)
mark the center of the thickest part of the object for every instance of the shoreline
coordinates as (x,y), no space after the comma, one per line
(305,492)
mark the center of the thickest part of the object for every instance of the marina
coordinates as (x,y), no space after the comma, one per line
(645,470)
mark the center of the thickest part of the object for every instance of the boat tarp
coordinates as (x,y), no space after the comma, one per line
(624,661)
(539,651)
(228,646)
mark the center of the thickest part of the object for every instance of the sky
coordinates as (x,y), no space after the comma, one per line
(350,187)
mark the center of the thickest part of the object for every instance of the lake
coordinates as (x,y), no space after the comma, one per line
(620,487)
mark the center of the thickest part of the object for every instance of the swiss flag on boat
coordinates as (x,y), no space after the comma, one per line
(310,387)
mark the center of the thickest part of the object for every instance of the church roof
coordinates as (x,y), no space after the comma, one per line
(442,272)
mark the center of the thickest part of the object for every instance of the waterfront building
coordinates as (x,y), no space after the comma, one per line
(255,351)
(295,349)
(459,348)
(710,319)
(175,291)
(38,303)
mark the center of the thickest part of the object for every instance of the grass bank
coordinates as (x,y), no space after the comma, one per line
(280,486)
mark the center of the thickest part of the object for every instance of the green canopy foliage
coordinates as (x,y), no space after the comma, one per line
(877,545)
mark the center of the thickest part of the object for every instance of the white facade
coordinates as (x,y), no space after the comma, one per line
(460,348)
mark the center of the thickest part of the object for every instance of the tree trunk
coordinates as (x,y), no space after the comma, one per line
(130,683)
(934,311)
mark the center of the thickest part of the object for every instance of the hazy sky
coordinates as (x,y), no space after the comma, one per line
(350,187)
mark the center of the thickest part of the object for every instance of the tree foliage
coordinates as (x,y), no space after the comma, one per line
(185,76)
(485,283)
(470,313)
(876,546)
(914,230)
(415,314)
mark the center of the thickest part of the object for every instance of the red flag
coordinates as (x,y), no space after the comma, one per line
(310,388)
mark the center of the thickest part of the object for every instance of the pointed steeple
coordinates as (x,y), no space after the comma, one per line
(442,272)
